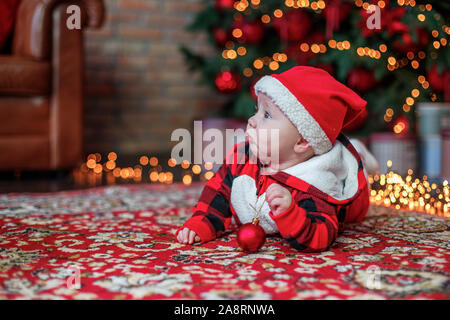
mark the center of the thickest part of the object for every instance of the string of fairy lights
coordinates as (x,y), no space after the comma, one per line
(94,171)
(390,190)
(412,59)
(410,193)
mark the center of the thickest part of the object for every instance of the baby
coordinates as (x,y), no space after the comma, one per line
(311,185)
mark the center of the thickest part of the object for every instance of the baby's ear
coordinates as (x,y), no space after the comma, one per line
(302,146)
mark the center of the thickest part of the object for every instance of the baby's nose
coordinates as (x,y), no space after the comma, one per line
(252,122)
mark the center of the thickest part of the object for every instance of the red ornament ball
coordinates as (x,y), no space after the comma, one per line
(361,79)
(251,236)
(437,80)
(224,4)
(227,82)
(252,32)
(391,21)
(337,9)
(221,36)
(293,25)
(400,125)
(406,43)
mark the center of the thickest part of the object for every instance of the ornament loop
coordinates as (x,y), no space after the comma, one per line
(257,211)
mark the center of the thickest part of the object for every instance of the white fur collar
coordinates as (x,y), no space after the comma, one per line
(334,172)
(243,194)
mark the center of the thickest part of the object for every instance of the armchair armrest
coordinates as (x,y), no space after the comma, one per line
(33,27)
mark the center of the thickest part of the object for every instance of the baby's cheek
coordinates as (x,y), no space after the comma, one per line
(262,137)
(253,148)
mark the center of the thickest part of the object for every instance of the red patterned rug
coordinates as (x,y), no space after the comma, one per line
(117,243)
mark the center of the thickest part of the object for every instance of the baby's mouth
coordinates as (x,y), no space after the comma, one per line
(249,135)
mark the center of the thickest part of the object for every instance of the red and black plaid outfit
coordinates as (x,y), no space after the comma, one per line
(312,221)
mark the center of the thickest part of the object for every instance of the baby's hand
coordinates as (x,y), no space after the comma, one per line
(187,236)
(278,198)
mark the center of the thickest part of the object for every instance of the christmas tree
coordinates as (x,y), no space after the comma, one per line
(393,53)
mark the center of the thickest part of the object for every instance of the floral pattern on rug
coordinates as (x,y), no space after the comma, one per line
(118,243)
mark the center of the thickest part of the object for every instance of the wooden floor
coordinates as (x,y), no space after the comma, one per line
(33,181)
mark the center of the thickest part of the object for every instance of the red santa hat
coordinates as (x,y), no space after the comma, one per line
(318,105)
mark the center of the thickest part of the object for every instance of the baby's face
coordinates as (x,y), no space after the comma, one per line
(262,127)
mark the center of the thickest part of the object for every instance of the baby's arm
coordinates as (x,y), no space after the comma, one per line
(308,224)
(212,215)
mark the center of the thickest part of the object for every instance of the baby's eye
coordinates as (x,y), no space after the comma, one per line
(256,110)
(267,115)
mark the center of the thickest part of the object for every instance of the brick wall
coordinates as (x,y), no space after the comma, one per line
(138,89)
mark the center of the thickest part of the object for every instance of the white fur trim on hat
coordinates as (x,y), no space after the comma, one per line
(306,125)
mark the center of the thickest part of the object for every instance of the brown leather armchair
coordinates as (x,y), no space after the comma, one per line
(41,86)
